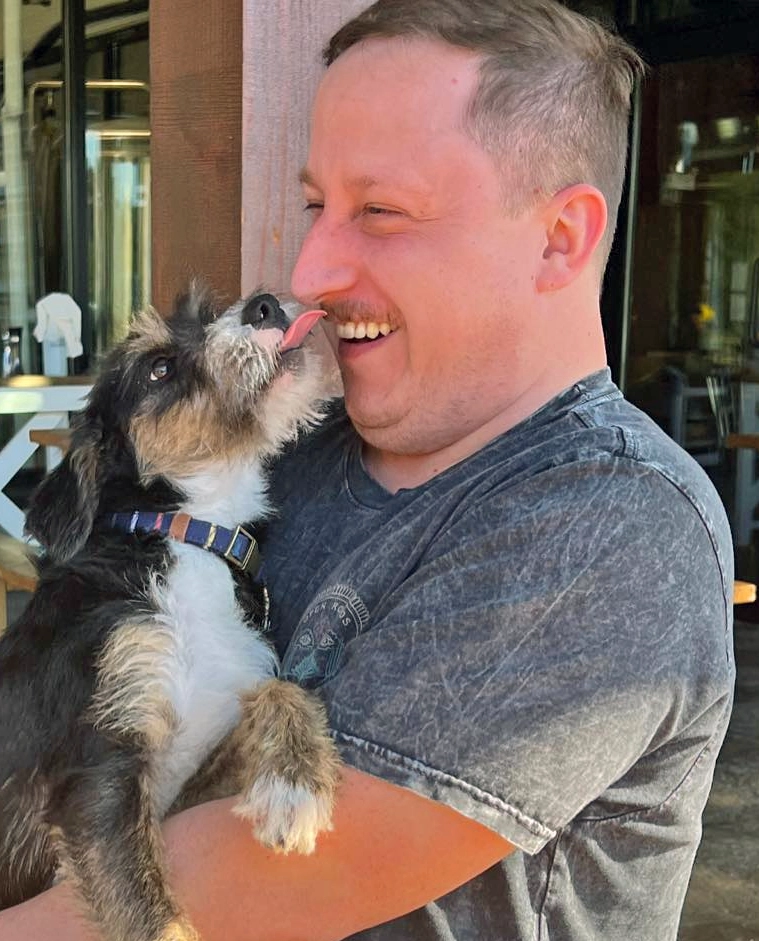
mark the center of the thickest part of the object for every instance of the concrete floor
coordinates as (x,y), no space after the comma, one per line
(723,899)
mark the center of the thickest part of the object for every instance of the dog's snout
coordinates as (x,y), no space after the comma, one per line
(263,310)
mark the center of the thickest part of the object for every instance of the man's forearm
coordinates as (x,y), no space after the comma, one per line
(54,915)
(390,852)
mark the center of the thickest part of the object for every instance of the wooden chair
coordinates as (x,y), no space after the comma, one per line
(51,437)
(17,573)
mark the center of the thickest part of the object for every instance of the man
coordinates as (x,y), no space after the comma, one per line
(511,589)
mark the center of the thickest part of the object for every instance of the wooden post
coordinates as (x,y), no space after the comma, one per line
(196,125)
(281,70)
(232,83)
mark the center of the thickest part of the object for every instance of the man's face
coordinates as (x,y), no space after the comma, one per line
(409,234)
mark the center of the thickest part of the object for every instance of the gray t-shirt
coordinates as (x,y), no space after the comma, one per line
(540,638)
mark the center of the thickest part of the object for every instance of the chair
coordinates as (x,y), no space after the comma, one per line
(17,573)
(59,438)
(692,418)
(719,387)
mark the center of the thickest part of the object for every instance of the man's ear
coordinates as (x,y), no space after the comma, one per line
(575,221)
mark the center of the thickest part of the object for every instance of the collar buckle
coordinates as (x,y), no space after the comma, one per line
(250,553)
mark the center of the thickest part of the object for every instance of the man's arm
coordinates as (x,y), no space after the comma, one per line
(389,853)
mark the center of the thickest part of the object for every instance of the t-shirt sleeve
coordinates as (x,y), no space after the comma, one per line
(541,649)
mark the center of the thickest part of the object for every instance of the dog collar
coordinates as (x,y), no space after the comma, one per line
(237,546)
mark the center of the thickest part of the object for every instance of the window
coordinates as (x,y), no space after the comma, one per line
(74,187)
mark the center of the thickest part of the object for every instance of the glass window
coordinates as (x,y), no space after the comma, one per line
(695,290)
(41,321)
(33,210)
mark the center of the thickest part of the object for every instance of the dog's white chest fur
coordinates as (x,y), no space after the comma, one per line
(212,656)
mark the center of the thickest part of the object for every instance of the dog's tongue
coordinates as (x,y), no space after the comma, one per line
(299,328)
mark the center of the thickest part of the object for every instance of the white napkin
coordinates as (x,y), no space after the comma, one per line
(59,317)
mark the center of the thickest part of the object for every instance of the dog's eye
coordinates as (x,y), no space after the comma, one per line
(161,369)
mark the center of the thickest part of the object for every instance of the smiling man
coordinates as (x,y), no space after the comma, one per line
(390,243)
(510,588)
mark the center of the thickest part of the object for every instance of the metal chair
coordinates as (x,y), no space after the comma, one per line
(721,392)
(692,419)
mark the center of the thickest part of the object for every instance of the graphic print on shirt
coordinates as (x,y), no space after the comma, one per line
(335,617)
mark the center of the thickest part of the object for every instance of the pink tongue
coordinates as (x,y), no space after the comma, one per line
(299,328)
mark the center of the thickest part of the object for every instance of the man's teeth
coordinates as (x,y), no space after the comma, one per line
(359,331)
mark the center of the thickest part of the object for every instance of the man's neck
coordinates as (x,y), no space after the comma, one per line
(398,471)
(404,471)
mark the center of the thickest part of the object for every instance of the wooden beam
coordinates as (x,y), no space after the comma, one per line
(196,126)
(281,69)
(232,83)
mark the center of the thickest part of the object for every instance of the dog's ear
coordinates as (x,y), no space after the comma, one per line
(62,509)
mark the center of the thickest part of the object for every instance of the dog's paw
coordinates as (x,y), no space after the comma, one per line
(286,817)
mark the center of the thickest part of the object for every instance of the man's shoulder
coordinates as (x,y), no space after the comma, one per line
(633,439)
(593,423)
(589,432)
(589,450)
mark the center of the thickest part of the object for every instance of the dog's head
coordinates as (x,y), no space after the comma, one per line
(176,397)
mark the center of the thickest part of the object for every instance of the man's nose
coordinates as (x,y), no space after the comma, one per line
(326,265)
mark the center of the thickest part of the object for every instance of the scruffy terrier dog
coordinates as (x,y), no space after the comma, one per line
(138,679)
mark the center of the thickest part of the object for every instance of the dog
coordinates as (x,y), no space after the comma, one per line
(139,679)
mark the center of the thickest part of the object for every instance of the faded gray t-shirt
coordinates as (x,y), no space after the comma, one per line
(539,637)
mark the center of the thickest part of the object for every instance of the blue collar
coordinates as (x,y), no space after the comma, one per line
(236,546)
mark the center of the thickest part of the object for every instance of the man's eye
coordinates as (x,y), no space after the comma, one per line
(313,207)
(383,215)
(161,369)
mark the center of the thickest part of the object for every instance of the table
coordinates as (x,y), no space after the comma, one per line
(744,592)
(48,401)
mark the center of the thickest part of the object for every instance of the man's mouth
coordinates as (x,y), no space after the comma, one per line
(362,330)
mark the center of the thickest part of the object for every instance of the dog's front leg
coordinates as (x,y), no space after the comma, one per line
(109,845)
(289,768)
(282,761)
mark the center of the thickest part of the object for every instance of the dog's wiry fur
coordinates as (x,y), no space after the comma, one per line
(137,680)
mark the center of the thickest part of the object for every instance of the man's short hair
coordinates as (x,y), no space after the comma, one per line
(553,102)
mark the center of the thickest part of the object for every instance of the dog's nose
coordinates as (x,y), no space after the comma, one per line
(263,310)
